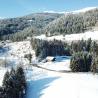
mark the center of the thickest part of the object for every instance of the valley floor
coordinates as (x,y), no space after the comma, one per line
(42,83)
(48,84)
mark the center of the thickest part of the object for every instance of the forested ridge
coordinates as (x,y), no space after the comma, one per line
(73,23)
(25,25)
(47,23)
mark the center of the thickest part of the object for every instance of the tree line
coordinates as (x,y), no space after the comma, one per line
(54,47)
(44,48)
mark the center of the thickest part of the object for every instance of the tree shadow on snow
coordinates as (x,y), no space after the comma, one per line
(35,88)
(62,58)
(4,50)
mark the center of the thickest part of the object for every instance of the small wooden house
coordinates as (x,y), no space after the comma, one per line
(50,59)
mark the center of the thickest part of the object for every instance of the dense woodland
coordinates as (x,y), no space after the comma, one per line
(85,57)
(14,84)
(14,28)
(72,23)
(44,48)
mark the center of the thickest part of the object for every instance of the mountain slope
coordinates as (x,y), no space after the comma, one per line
(73,23)
(38,20)
(50,24)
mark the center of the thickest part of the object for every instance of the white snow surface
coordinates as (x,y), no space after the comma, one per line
(48,84)
(51,11)
(15,51)
(74,12)
(52,84)
(84,9)
(72,37)
(60,64)
(90,34)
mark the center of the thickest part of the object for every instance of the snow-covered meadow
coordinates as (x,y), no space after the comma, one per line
(48,84)
(15,52)
(73,37)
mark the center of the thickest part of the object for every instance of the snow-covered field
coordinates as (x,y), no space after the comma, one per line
(51,84)
(60,64)
(47,84)
(15,51)
(73,37)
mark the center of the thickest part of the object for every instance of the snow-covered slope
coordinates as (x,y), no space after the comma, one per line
(20,48)
(15,51)
(48,84)
(73,37)
(54,12)
(84,10)
(90,34)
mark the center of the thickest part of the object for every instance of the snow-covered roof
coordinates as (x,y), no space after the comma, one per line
(50,58)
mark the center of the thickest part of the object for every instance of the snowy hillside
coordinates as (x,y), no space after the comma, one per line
(72,37)
(14,52)
(84,10)
(90,34)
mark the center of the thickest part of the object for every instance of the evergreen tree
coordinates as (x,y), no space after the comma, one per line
(94,64)
(29,57)
(88,44)
(6,77)
(14,83)
(81,62)
(20,76)
(94,48)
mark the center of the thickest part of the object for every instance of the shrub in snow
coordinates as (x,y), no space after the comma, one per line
(4,62)
(29,57)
